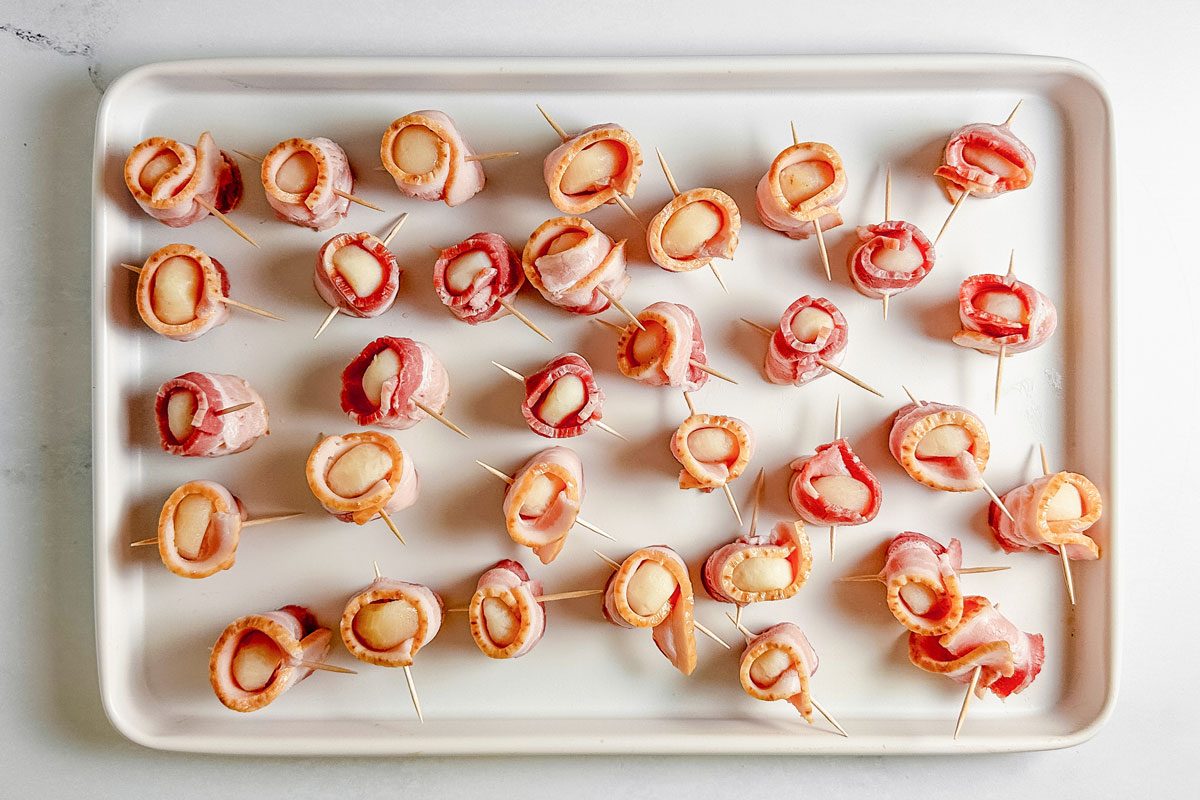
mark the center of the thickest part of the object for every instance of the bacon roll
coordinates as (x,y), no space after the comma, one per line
(475,277)
(667,351)
(778,664)
(999,310)
(567,259)
(388,622)
(891,257)
(506,619)
(427,158)
(833,487)
(760,567)
(1010,659)
(804,184)
(172,181)
(714,450)
(386,380)
(358,274)
(302,177)
(188,410)
(543,501)
(1051,511)
(199,528)
(588,169)
(651,589)
(179,292)
(562,398)
(942,446)
(693,229)
(811,328)
(985,160)
(259,656)
(358,475)
(921,576)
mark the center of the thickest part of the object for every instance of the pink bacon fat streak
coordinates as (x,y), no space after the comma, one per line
(166,177)
(962,472)
(317,206)
(628,161)
(721,244)
(880,265)
(427,610)
(219,544)
(543,501)
(569,277)
(729,574)
(1037,526)
(674,622)
(421,378)
(336,289)
(667,351)
(835,459)
(293,631)
(452,179)
(506,619)
(914,559)
(799,221)
(985,160)
(1010,659)
(395,491)
(791,361)
(790,684)
(987,331)
(500,281)
(540,385)
(708,475)
(207,309)
(212,435)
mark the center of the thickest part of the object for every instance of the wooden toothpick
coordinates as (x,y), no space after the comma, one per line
(395,228)
(758,496)
(221,299)
(493,156)
(441,418)
(823,249)
(153,540)
(1013,113)
(557,128)
(962,712)
(512,373)
(963,571)
(829,365)
(953,210)
(387,520)
(687,398)
(325,667)
(617,304)
(526,321)
(619,200)
(837,434)
(232,409)
(333,312)
(1062,549)
(412,692)
(233,226)
(504,476)
(1003,348)
(662,162)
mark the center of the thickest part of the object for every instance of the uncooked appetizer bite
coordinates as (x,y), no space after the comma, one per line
(396,382)
(430,160)
(651,589)
(357,477)
(985,160)
(778,664)
(306,182)
(562,398)
(891,257)
(199,529)
(834,487)
(591,168)
(390,621)
(506,618)
(664,348)
(543,500)
(181,292)
(812,330)
(921,578)
(575,265)
(208,415)
(1050,513)
(713,450)
(942,446)
(478,280)
(260,656)
(759,567)
(696,227)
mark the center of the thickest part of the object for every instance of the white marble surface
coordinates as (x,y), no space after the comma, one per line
(57,58)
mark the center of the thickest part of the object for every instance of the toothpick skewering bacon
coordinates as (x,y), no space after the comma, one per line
(305,181)
(999,311)
(357,274)
(394,382)
(178,184)
(803,186)
(199,528)
(694,228)
(209,415)
(1050,512)
(507,621)
(543,501)
(714,450)
(944,447)
(985,161)
(430,160)
(651,589)
(592,167)
(575,266)
(668,350)
(778,664)
(475,278)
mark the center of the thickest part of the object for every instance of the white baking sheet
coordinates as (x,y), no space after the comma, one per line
(589,686)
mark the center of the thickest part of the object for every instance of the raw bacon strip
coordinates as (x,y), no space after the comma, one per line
(1010,659)
(391,638)
(794,349)
(562,410)
(203,432)
(395,491)
(222,515)
(952,459)
(985,160)
(714,450)
(358,274)
(612,146)
(476,297)
(450,177)
(290,635)
(403,372)
(921,577)
(778,664)
(166,177)
(891,257)
(543,501)
(832,474)
(673,622)
(567,258)
(300,177)
(748,570)
(693,229)
(1054,510)
(667,351)
(506,619)
(999,310)
(787,197)
(179,292)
